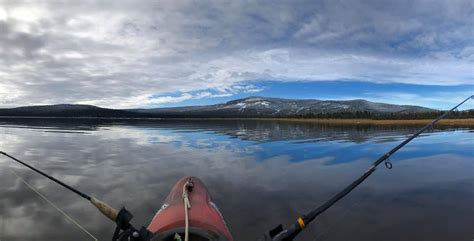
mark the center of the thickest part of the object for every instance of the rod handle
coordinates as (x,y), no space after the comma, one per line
(105,209)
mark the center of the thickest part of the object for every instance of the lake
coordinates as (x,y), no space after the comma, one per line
(259,173)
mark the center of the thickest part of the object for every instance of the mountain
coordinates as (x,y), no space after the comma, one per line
(248,107)
(256,106)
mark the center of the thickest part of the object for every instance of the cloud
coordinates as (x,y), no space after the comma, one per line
(154,100)
(124,54)
(441,100)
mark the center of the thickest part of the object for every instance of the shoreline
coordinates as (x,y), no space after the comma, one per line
(443,122)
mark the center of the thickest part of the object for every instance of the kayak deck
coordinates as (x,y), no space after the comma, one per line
(205,220)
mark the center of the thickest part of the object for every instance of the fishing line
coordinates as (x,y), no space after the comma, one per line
(120,217)
(55,206)
(288,234)
(83,195)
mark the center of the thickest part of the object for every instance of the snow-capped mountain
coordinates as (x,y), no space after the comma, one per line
(264,106)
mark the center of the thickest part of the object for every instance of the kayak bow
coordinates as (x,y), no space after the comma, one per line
(204,219)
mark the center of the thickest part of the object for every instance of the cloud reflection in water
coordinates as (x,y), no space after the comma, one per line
(260,174)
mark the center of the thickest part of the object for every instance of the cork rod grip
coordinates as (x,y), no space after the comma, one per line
(105,209)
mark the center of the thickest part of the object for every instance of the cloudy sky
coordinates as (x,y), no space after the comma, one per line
(127,54)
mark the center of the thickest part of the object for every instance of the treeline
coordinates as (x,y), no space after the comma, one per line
(95,112)
(384,116)
(70,113)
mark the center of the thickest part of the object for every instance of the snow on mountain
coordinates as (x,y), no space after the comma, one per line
(264,106)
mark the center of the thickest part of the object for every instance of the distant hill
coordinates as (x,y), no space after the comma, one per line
(276,107)
(66,110)
(241,108)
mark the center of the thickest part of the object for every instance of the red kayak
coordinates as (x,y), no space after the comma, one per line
(205,222)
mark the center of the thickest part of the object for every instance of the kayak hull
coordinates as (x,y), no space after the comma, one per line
(205,219)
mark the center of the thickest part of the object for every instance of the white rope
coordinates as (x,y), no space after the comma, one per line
(187,205)
(54,206)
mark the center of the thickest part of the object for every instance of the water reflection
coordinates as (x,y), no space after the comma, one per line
(260,174)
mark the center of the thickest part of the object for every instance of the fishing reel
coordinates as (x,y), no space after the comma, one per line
(281,234)
(126,232)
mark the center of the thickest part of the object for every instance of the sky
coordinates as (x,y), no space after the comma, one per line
(144,54)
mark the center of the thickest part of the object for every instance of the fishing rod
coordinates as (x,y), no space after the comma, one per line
(124,229)
(280,234)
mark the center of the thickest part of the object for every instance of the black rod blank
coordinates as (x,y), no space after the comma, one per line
(295,229)
(313,214)
(48,176)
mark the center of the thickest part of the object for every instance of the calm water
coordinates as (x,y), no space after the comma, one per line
(260,174)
